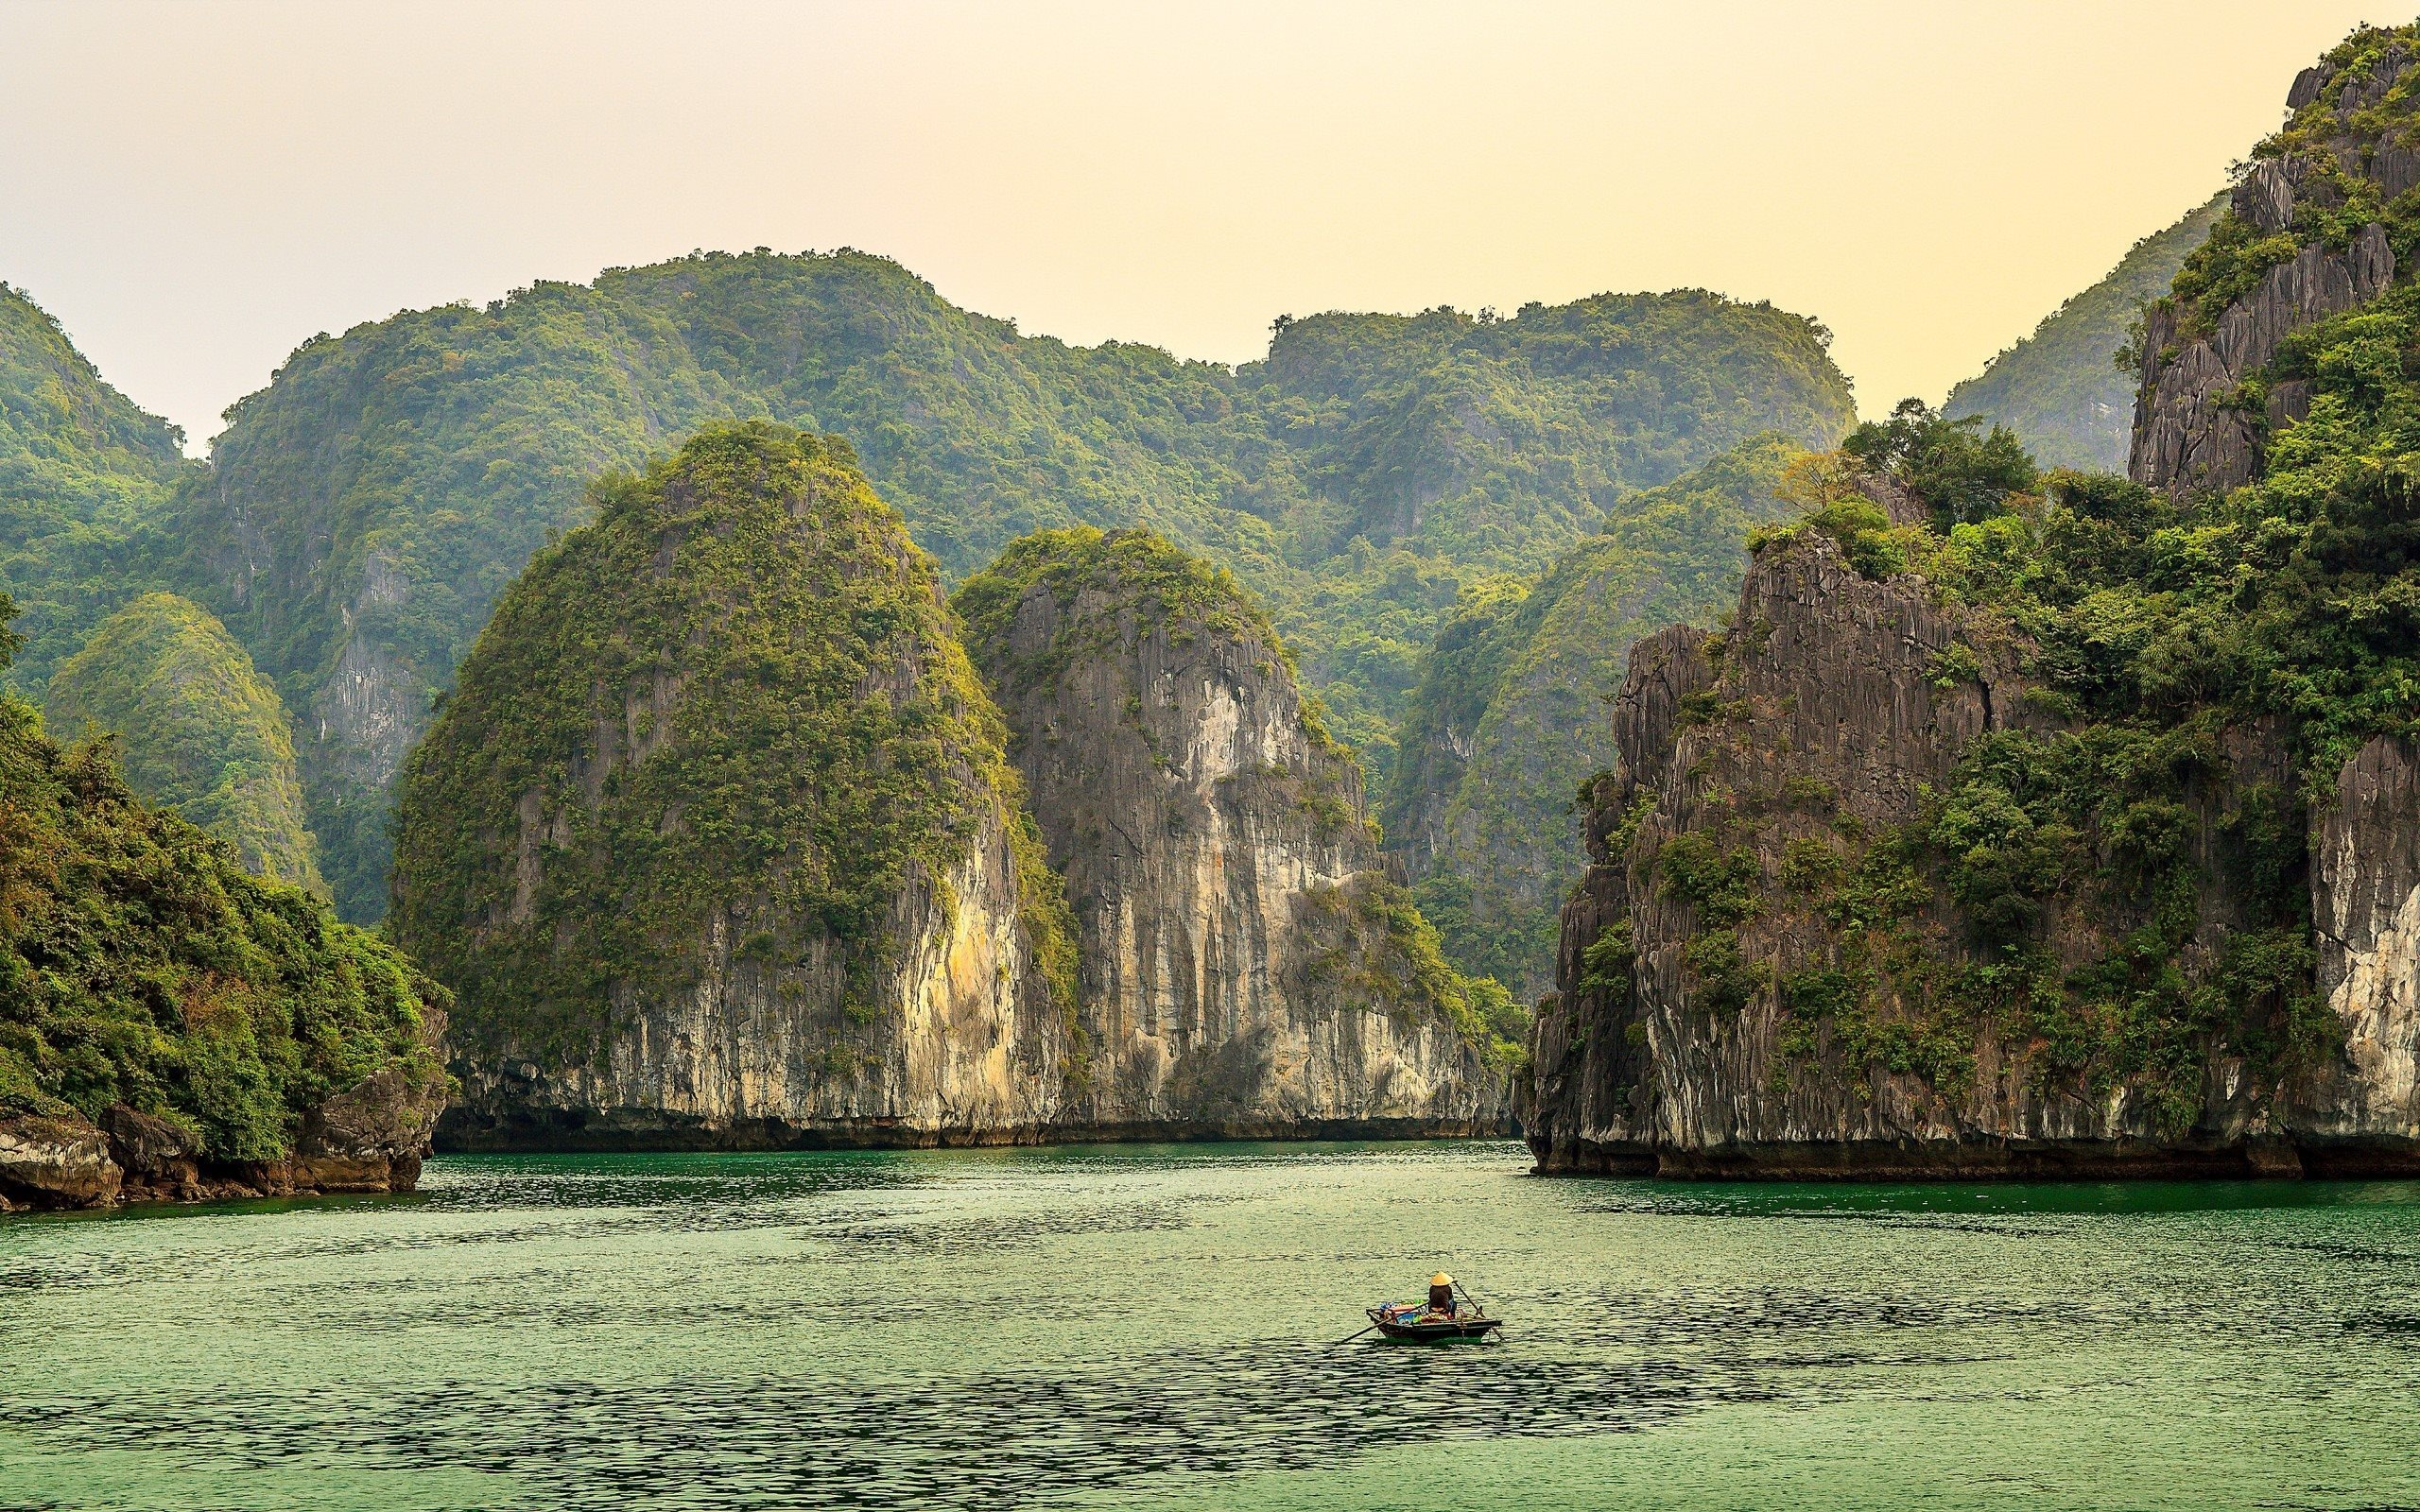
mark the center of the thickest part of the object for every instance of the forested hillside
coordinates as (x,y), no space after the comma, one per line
(81,467)
(2061,387)
(200,731)
(721,750)
(1511,712)
(364,511)
(151,984)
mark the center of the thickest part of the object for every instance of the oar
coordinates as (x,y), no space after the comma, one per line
(1350,1337)
(1499,1335)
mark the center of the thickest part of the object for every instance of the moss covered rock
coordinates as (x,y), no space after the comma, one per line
(717,839)
(200,730)
(361,513)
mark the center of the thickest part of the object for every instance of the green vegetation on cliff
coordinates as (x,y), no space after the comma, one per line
(2128,854)
(80,469)
(2061,387)
(1511,712)
(2206,665)
(1128,572)
(363,512)
(199,732)
(141,963)
(735,697)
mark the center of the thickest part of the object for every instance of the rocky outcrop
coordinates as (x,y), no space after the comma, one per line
(55,1162)
(758,871)
(1508,718)
(2197,425)
(370,1138)
(1789,753)
(957,1042)
(2365,897)
(716,840)
(1881,888)
(1247,969)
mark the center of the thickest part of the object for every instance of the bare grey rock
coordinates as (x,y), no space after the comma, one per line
(958,1046)
(1236,958)
(372,1136)
(2365,903)
(2190,432)
(2266,196)
(2396,168)
(161,1160)
(2373,86)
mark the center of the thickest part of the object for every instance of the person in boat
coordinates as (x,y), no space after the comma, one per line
(1441,1294)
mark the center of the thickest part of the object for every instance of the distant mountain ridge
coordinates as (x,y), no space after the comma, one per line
(361,513)
(1512,711)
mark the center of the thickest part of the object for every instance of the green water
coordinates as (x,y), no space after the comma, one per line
(1149,1326)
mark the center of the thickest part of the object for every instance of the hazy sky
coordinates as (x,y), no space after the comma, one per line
(195,189)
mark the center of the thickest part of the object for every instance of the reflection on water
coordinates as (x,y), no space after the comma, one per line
(1131,1325)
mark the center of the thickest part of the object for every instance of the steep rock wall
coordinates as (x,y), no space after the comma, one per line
(956,1045)
(2202,419)
(1247,968)
(2365,895)
(1793,753)
(717,840)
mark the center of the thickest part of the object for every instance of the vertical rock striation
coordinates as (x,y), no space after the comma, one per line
(2304,238)
(2365,897)
(1790,1020)
(1247,968)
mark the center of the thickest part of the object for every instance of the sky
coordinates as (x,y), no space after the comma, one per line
(195,189)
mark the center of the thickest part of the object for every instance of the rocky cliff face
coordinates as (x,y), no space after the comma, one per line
(2001,836)
(717,840)
(2306,237)
(955,1042)
(1247,966)
(736,857)
(369,1138)
(1762,971)
(2365,895)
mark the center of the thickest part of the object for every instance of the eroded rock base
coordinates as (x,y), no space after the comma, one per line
(634,1131)
(1983,1160)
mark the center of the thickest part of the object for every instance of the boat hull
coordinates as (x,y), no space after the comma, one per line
(1457,1330)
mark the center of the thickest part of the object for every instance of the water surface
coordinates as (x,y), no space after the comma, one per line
(1151,1326)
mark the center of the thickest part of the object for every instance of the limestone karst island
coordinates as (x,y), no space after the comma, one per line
(1281,780)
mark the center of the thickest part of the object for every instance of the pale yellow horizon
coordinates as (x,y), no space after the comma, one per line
(194,190)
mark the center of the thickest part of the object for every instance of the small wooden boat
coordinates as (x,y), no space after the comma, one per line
(1416,1322)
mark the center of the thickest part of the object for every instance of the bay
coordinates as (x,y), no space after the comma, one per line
(1153,1327)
